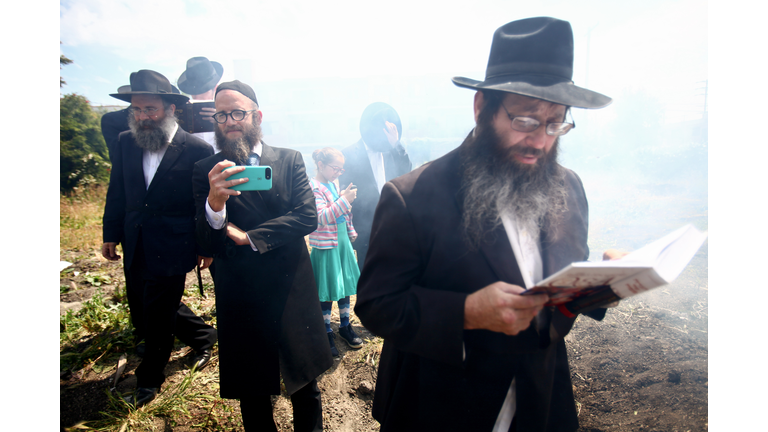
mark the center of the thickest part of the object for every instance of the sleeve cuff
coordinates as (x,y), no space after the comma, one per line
(215,219)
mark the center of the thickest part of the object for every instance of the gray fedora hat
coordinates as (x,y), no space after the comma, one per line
(200,76)
(147,82)
(534,57)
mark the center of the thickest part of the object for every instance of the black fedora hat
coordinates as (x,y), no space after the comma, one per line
(201,75)
(147,82)
(372,125)
(127,89)
(534,57)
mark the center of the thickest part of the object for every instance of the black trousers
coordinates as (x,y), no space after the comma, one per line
(158,315)
(307,411)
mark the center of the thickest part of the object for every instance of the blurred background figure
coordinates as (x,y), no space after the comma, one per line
(375,159)
(112,123)
(199,81)
(333,259)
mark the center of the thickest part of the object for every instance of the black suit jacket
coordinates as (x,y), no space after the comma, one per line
(163,215)
(412,290)
(269,317)
(358,171)
(112,124)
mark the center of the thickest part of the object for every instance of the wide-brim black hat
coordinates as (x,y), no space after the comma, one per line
(534,57)
(200,76)
(147,82)
(127,89)
(372,124)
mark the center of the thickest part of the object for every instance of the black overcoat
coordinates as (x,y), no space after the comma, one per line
(112,123)
(163,214)
(412,290)
(358,170)
(268,313)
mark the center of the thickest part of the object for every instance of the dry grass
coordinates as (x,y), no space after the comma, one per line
(80,219)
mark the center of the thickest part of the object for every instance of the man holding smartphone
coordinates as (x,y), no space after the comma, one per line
(150,210)
(268,311)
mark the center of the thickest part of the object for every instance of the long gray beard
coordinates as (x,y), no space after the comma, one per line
(159,133)
(237,150)
(493,184)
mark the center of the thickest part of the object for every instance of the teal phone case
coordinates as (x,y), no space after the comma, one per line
(259,178)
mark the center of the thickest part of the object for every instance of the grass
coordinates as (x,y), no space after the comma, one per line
(172,402)
(80,219)
(95,335)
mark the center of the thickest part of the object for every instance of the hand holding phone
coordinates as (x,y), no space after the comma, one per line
(259,178)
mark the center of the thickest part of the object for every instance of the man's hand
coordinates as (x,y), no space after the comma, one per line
(611,255)
(204,262)
(207,114)
(109,251)
(499,307)
(219,185)
(390,129)
(237,235)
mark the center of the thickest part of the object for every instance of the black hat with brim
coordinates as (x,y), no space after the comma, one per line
(147,82)
(200,76)
(534,57)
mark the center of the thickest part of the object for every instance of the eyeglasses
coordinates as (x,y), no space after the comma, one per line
(527,124)
(336,169)
(149,111)
(237,115)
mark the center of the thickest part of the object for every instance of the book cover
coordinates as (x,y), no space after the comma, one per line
(192,119)
(649,267)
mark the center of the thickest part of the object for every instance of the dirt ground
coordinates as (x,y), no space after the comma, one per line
(642,368)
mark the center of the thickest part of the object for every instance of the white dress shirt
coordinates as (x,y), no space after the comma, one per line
(151,160)
(377,165)
(525,246)
(210,138)
(216,219)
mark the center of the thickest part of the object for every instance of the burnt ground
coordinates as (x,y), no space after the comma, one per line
(642,368)
(645,366)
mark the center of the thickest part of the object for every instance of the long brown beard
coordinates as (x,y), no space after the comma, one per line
(237,150)
(493,182)
(150,134)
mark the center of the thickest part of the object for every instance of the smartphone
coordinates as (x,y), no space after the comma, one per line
(259,178)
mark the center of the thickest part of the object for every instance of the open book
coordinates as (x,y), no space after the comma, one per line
(192,119)
(583,286)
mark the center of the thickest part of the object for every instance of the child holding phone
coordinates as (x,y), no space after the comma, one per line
(333,259)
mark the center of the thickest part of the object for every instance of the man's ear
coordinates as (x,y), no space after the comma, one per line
(259,116)
(479,103)
(173,108)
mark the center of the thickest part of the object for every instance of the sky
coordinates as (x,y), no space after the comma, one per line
(655,46)
(665,48)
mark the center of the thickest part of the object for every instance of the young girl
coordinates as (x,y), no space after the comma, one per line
(333,259)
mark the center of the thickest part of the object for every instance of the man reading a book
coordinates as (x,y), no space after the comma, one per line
(455,242)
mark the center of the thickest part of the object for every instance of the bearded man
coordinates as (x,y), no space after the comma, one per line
(454,244)
(268,311)
(150,211)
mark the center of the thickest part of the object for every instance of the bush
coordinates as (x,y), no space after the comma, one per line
(83,154)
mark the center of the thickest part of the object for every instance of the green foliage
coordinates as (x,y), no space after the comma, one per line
(171,402)
(83,154)
(96,280)
(99,327)
(63,60)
